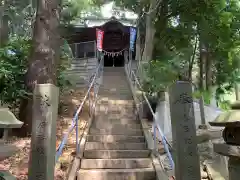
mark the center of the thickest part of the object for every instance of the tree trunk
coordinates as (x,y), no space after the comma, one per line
(191,61)
(4,24)
(202,61)
(44,58)
(237,91)
(150,31)
(138,50)
(209,76)
(138,44)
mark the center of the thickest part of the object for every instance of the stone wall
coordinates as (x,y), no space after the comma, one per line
(215,164)
(163,115)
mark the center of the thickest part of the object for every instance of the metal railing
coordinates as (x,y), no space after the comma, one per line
(93,87)
(156,127)
(81,50)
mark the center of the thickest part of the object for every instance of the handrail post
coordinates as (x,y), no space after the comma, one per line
(155,137)
(94,98)
(89,103)
(202,110)
(77,148)
(76,49)
(95,48)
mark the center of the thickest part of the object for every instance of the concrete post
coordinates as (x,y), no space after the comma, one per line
(237,92)
(213,101)
(76,50)
(202,110)
(43,144)
(187,163)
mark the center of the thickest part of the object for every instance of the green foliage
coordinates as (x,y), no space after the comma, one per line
(160,75)
(205,94)
(179,32)
(66,55)
(13,63)
(13,66)
(224,105)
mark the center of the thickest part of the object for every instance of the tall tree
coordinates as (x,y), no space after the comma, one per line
(44,58)
(4,22)
(150,30)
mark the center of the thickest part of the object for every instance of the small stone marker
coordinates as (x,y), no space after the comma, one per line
(187,163)
(43,145)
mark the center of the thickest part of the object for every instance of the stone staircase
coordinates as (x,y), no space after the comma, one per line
(115,147)
(81,70)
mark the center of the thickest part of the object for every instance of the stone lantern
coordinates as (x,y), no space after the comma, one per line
(230,120)
(7,121)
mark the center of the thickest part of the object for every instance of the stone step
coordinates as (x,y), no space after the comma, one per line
(116,94)
(129,132)
(124,104)
(122,112)
(117,174)
(90,63)
(114,146)
(116,125)
(116,114)
(129,117)
(106,120)
(120,87)
(115,109)
(116,75)
(115,138)
(114,70)
(114,97)
(82,68)
(83,61)
(116,163)
(109,154)
(115,104)
(80,72)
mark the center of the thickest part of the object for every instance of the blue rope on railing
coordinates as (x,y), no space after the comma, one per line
(164,141)
(156,125)
(74,123)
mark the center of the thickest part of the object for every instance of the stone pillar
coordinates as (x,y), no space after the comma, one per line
(186,158)
(231,136)
(237,91)
(213,101)
(202,110)
(43,144)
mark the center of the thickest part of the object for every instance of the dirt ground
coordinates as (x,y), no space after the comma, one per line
(18,163)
